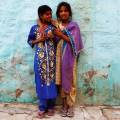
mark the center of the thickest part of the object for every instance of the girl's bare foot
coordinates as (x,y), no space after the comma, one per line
(40,114)
(70,112)
(50,112)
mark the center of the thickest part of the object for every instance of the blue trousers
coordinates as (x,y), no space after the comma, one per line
(46,104)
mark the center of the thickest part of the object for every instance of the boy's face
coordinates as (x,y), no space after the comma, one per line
(47,16)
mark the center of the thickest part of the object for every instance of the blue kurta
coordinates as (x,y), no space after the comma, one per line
(44,64)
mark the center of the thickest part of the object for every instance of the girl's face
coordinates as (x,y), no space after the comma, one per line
(64,13)
(47,16)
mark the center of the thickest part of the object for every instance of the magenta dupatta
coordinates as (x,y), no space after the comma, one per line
(70,52)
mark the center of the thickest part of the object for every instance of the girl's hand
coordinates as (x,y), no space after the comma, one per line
(58,33)
(50,34)
(43,37)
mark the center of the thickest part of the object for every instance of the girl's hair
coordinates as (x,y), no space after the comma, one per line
(67,5)
(43,9)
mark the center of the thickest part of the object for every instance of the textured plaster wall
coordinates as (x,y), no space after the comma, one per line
(98,67)
(99,70)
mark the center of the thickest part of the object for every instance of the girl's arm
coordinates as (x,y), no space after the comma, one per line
(32,37)
(41,39)
(61,35)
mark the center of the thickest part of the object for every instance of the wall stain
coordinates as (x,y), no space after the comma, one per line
(87,20)
(18,92)
(31,72)
(89,77)
(2,72)
(16,60)
(90,91)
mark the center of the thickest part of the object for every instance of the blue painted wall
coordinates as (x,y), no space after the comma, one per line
(98,67)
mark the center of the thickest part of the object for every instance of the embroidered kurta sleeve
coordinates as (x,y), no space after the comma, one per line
(32,36)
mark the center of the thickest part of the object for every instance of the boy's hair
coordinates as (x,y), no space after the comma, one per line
(67,5)
(43,9)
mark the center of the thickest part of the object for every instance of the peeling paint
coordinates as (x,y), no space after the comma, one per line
(18,92)
(90,91)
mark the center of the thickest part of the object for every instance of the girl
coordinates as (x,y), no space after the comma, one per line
(66,57)
(42,39)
